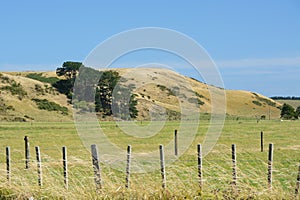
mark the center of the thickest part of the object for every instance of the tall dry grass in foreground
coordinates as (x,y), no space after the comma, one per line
(182,177)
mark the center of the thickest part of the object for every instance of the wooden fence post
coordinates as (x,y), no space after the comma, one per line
(127,184)
(298,182)
(96,167)
(199,150)
(27,152)
(39,165)
(162,166)
(176,143)
(234,171)
(65,166)
(261,141)
(8,163)
(270,163)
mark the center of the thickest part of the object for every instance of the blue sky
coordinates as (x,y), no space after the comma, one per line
(255,44)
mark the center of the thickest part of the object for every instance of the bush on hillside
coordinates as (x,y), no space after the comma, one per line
(15,89)
(257,103)
(41,78)
(164,88)
(44,104)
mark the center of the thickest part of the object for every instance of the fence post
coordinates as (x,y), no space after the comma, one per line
(199,150)
(27,152)
(298,182)
(39,165)
(176,143)
(270,162)
(127,184)
(234,171)
(8,163)
(162,166)
(96,167)
(261,141)
(65,166)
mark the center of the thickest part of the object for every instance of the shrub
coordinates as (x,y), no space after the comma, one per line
(5,79)
(164,88)
(41,78)
(195,101)
(267,101)
(4,108)
(173,115)
(257,103)
(39,89)
(199,95)
(19,119)
(15,89)
(44,104)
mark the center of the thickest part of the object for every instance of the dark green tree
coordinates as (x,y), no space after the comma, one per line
(103,98)
(69,70)
(288,112)
(124,103)
(298,111)
(133,112)
(115,99)
(94,89)
(85,84)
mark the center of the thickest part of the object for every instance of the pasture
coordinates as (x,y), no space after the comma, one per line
(182,177)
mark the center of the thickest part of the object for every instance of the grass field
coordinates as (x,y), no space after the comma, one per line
(182,181)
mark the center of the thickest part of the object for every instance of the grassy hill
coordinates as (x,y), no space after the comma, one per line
(157,87)
(29,96)
(25,99)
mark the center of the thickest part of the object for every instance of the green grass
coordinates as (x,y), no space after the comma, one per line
(181,175)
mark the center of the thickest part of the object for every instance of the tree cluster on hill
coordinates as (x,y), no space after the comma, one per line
(285,98)
(108,96)
(288,112)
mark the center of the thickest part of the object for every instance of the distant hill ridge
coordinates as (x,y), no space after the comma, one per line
(285,98)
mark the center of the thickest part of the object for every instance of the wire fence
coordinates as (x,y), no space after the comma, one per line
(182,175)
(250,172)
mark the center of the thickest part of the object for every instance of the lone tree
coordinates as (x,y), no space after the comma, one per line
(288,112)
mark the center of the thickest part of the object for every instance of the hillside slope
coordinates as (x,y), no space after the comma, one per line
(158,91)
(24,99)
(155,86)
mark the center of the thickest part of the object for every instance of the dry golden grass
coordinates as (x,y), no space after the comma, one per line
(26,107)
(149,95)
